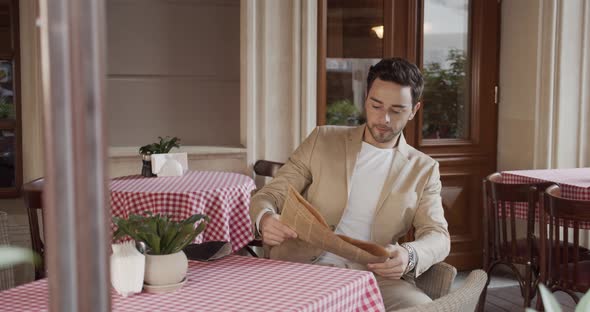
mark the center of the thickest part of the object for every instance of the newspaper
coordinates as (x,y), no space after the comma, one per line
(311,227)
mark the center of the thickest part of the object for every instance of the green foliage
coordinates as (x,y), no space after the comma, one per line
(6,109)
(342,112)
(550,303)
(161,235)
(10,255)
(445,97)
(162,147)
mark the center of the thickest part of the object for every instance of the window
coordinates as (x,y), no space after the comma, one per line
(10,133)
(446,112)
(354,43)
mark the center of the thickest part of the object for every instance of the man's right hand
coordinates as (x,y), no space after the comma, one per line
(273,231)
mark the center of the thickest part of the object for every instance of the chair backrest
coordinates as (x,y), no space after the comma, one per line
(267,168)
(465,298)
(6,274)
(500,217)
(562,265)
(33,196)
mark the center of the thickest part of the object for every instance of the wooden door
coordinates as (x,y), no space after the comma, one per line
(456,44)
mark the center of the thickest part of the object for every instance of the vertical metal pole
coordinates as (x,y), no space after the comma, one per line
(77,212)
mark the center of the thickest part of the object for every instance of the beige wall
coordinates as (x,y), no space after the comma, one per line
(31,93)
(273,61)
(544,108)
(174,69)
(518,68)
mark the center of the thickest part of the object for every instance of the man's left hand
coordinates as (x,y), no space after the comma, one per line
(395,266)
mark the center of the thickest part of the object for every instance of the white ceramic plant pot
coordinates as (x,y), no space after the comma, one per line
(165,269)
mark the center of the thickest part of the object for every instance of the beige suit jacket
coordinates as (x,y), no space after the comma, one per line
(321,169)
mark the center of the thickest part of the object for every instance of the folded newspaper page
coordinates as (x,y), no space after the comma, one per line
(311,227)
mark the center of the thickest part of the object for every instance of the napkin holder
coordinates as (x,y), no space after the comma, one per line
(170,164)
(127,268)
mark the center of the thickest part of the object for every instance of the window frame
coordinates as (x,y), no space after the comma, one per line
(16,124)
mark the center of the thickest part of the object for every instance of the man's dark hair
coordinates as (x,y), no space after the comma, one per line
(400,71)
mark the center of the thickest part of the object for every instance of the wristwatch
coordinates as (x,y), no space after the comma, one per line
(412,257)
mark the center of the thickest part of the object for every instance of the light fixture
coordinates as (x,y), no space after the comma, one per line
(378,30)
(427,27)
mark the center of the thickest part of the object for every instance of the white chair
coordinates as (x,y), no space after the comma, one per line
(463,299)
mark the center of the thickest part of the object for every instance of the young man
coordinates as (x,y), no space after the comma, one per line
(369,184)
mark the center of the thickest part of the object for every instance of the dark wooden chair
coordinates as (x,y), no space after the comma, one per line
(33,196)
(501,245)
(263,168)
(563,269)
(267,168)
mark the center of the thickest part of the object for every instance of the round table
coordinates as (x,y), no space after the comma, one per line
(223,196)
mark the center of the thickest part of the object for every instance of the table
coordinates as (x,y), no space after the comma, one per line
(574,184)
(238,283)
(223,196)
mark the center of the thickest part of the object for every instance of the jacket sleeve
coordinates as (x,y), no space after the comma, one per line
(432,242)
(296,172)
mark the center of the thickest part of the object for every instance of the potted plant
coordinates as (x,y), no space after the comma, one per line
(343,112)
(162,147)
(165,262)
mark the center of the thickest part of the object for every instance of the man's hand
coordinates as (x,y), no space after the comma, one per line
(273,231)
(395,266)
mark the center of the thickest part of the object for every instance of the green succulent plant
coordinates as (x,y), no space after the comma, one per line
(162,147)
(11,255)
(161,235)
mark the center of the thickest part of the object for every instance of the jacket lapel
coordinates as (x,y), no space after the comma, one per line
(400,159)
(354,142)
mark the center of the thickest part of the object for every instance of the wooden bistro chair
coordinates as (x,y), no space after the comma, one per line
(563,269)
(501,245)
(264,168)
(33,196)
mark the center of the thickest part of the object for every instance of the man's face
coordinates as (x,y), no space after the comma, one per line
(389,107)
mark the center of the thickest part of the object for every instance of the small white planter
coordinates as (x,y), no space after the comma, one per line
(165,269)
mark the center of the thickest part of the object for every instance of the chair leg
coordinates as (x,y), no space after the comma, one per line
(251,252)
(528,285)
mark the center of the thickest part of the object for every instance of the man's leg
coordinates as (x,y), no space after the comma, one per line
(399,294)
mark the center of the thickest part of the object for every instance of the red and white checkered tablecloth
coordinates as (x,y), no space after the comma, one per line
(223,196)
(574,184)
(237,283)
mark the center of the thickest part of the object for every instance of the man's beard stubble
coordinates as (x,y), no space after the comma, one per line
(388,137)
